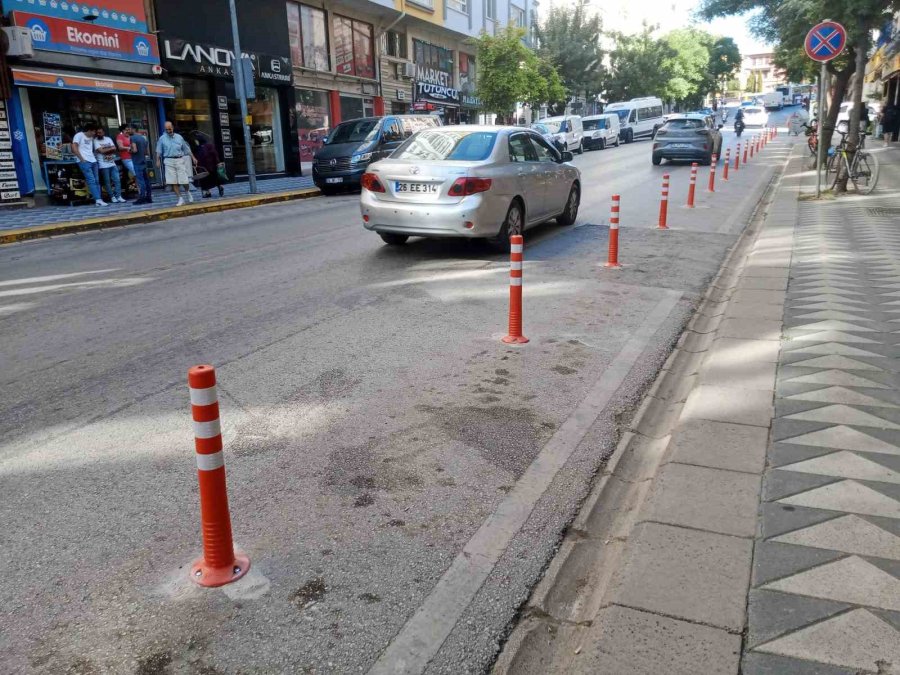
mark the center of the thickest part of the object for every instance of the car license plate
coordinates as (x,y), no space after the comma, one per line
(334,180)
(679,145)
(427,188)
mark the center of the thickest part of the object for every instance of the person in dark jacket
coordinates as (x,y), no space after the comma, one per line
(890,122)
(208,159)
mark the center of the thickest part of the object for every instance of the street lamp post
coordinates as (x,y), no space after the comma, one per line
(238,65)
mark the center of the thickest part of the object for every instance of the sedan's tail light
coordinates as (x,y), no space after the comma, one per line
(370,182)
(661,132)
(703,132)
(463,187)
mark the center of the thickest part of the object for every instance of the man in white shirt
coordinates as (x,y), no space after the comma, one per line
(105,151)
(83,149)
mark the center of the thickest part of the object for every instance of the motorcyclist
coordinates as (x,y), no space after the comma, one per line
(739,121)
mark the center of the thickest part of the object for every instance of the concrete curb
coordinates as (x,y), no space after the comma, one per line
(141,217)
(556,616)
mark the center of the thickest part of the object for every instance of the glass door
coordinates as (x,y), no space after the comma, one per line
(265,132)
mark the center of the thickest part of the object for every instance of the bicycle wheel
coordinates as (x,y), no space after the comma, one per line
(834,162)
(865,173)
(812,145)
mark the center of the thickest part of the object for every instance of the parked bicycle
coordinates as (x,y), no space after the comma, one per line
(861,167)
(812,134)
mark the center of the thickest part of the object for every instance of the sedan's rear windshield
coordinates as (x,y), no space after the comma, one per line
(459,145)
(590,125)
(685,124)
(753,111)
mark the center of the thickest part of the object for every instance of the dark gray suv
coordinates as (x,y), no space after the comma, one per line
(689,137)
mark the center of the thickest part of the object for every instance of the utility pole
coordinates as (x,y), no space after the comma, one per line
(238,65)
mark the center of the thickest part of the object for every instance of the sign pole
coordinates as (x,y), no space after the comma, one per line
(820,112)
(239,65)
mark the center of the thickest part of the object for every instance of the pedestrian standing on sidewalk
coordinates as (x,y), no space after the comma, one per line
(171,151)
(105,151)
(83,149)
(890,121)
(123,143)
(140,150)
(208,159)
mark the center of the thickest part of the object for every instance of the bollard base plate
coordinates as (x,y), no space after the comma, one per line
(213,577)
(515,340)
(612,265)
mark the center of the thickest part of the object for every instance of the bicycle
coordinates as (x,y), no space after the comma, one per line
(862,168)
(812,140)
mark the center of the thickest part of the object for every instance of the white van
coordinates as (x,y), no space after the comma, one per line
(638,118)
(601,131)
(567,132)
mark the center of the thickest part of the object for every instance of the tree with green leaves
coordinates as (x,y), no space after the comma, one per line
(750,85)
(724,62)
(569,39)
(510,73)
(634,68)
(687,66)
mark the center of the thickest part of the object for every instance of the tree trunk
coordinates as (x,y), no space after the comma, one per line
(855,110)
(839,90)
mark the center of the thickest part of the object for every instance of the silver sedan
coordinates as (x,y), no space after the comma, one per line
(469,181)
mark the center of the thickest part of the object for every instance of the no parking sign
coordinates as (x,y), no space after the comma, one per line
(825,41)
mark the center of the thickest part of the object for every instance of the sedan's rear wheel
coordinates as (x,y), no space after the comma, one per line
(393,239)
(568,216)
(657,160)
(513,224)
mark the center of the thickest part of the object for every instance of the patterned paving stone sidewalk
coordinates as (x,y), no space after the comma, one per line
(825,588)
(51,215)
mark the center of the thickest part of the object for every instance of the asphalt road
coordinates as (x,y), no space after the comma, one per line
(374,423)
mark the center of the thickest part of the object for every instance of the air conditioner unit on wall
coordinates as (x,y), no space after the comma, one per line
(19,42)
(409,70)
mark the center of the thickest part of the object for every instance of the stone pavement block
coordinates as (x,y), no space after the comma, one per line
(766,297)
(706,499)
(719,371)
(697,576)
(624,640)
(750,329)
(756,663)
(757,269)
(772,614)
(754,310)
(746,350)
(720,404)
(763,284)
(736,447)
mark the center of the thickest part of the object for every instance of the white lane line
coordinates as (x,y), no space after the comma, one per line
(53,277)
(422,636)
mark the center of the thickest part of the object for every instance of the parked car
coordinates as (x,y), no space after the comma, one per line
(691,137)
(638,118)
(755,116)
(601,131)
(469,181)
(353,145)
(773,100)
(548,135)
(567,131)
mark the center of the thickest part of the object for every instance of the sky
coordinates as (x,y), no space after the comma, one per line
(627,17)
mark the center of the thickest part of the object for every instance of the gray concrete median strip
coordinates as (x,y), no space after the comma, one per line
(423,634)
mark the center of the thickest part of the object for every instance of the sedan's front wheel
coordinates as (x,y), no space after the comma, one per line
(393,239)
(568,216)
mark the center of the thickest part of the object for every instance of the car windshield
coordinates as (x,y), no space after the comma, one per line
(354,131)
(541,128)
(684,124)
(454,144)
(556,126)
(590,125)
(623,114)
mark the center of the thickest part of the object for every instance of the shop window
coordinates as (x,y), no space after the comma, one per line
(313,121)
(193,106)
(354,107)
(467,74)
(308,37)
(265,131)
(353,50)
(394,44)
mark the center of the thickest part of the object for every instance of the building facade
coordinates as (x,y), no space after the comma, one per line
(883,69)
(764,66)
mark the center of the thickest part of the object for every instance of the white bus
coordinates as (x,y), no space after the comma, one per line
(638,118)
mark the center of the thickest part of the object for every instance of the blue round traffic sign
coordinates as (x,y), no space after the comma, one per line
(825,41)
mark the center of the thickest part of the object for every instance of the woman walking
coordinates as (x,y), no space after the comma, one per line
(890,122)
(208,159)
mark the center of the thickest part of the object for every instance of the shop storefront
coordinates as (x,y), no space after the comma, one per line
(470,105)
(101,67)
(434,90)
(199,61)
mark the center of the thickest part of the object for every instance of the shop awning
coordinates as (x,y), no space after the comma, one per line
(34,77)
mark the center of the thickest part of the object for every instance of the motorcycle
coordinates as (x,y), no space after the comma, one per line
(739,127)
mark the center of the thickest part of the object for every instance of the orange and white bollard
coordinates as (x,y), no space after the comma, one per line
(664,204)
(726,163)
(220,564)
(712,173)
(516,257)
(692,189)
(746,150)
(737,158)
(752,147)
(613,259)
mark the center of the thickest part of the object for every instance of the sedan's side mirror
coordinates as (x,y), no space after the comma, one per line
(565,156)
